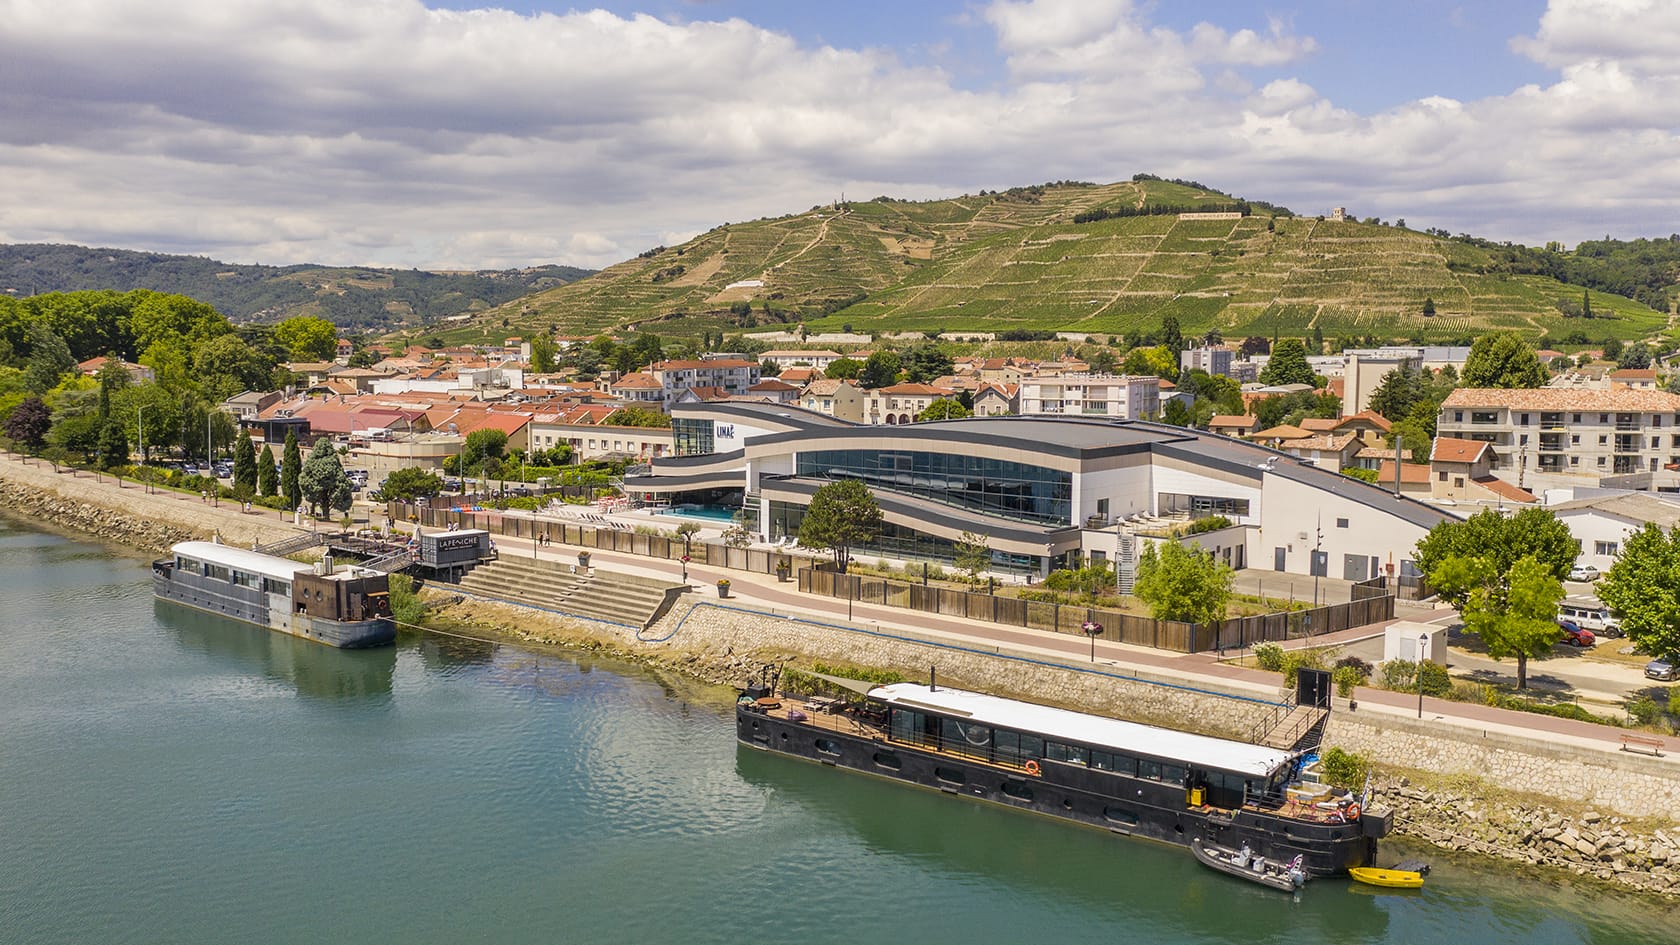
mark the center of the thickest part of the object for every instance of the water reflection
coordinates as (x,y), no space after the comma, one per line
(314,670)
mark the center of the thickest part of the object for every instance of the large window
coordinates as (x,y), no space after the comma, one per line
(893,541)
(994,486)
(691,437)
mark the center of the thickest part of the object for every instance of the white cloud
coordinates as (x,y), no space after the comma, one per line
(381,131)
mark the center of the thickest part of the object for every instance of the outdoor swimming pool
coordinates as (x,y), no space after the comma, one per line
(712,514)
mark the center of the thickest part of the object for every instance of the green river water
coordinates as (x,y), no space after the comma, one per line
(169,777)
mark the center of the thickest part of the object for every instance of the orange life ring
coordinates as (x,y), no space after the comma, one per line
(1353,812)
(1032,768)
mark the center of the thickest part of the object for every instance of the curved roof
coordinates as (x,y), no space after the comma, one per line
(241,559)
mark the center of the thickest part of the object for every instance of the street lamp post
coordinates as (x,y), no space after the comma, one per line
(1422,654)
(1093,630)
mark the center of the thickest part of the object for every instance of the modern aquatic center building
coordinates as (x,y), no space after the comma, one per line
(1046,492)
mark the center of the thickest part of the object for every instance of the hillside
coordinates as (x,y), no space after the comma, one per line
(356,298)
(1018,259)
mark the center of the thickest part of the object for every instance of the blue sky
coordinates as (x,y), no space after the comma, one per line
(474,134)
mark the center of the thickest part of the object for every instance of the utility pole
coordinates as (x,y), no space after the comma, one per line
(140,429)
(1318,561)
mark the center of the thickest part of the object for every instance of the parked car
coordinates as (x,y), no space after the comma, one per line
(1583,572)
(1576,635)
(1590,614)
(190,469)
(1661,670)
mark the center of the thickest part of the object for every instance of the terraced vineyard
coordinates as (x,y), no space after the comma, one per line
(1017,259)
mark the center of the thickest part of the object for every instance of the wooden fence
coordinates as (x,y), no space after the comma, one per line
(1371,605)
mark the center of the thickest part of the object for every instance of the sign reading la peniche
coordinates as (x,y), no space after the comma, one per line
(457,542)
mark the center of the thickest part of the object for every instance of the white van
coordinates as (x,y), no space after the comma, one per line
(1590,614)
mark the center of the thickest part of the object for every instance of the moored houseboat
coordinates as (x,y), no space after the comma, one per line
(338,606)
(1129,778)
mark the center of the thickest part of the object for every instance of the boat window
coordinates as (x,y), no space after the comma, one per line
(1018,790)
(1173,774)
(1149,770)
(1078,754)
(828,746)
(1119,764)
(1120,815)
(950,775)
(216,571)
(244,580)
(1006,746)
(887,759)
(1032,747)
(966,738)
(1055,751)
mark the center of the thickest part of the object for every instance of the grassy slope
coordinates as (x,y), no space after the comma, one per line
(1017,260)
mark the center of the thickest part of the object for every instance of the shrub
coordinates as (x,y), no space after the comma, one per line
(406,607)
(1643,710)
(1346,678)
(1674,701)
(1269,656)
(1296,660)
(1354,662)
(1210,524)
(1344,768)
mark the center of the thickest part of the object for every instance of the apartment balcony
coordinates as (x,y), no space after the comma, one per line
(1552,464)
(1629,426)
(1629,444)
(1553,442)
(1625,464)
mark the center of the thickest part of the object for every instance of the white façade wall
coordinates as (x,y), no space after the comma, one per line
(1126,488)
(1293,510)
(1591,528)
(1172,477)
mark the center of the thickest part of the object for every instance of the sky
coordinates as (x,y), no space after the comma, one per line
(454,134)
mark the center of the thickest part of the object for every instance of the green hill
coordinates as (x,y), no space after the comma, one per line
(356,298)
(1080,257)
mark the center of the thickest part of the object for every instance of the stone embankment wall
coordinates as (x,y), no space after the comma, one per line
(127,515)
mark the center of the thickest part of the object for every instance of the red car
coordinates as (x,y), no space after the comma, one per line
(1574,635)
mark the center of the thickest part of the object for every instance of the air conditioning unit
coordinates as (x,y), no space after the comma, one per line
(1300,536)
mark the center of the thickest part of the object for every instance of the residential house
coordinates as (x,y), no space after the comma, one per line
(733,375)
(1603,523)
(774,390)
(1567,431)
(138,373)
(996,399)
(901,403)
(1331,451)
(1462,470)
(811,359)
(833,397)
(1234,424)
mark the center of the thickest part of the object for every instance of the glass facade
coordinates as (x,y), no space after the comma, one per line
(1007,747)
(992,486)
(691,437)
(896,541)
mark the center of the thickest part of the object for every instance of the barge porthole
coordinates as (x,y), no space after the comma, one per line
(1120,815)
(888,760)
(1017,790)
(828,746)
(950,775)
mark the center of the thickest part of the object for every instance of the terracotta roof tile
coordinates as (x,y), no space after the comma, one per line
(1565,398)
(1505,490)
(1451,449)
(1414,473)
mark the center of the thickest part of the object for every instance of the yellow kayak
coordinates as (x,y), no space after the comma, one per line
(1393,879)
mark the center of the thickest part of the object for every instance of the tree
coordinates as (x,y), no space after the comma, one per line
(1171,337)
(1500,541)
(410,483)
(881,370)
(1612,349)
(973,555)
(1635,357)
(244,462)
(841,514)
(543,350)
(1643,587)
(1513,611)
(1176,414)
(1398,393)
(944,409)
(113,444)
(844,369)
(638,417)
(323,482)
(266,476)
(687,530)
(1503,359)
(1428,305)
(769,369)
(1158,361)
(482,446)
(291,466)
(49,360)
(307,338)
(225,365)
(1102,361)
(1288,364)
(925,363)
(28,423)
(1180,583)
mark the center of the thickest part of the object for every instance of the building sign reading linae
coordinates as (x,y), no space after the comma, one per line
(723,431)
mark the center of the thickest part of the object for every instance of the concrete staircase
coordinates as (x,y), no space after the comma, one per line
(597,595)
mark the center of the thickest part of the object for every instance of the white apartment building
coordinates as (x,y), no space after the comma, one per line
(1567,431)
(1123,397)
(816,359)
(732,375)
(1213,360)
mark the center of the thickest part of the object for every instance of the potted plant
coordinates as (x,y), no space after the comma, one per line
(783,568)
(583,560)
(723,587)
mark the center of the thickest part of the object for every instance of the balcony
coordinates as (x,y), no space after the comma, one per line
(1551,464)
(1553,442)
(1629,444)
(1625,464)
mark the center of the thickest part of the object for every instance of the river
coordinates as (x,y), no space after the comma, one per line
(169,776)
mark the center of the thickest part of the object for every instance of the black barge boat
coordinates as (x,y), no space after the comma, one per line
(1129,778)
(339,606)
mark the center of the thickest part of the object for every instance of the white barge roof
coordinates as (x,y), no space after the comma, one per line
(251,562)
(1201,751)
